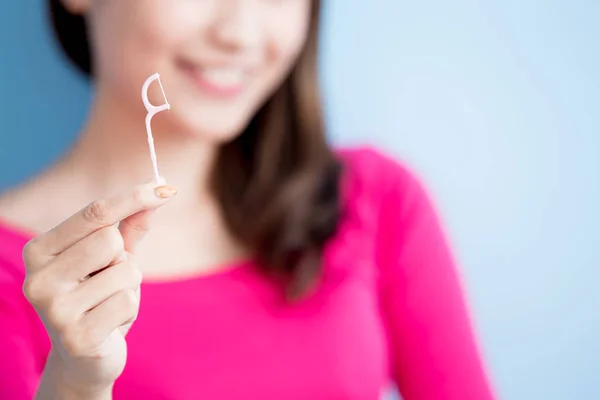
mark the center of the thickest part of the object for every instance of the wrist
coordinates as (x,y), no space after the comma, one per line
(66,391)
(59,383)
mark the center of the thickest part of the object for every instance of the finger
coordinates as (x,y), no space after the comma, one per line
(119,309)
(125,327)
(134,228)
(87,256)
(100,287)
(103,213)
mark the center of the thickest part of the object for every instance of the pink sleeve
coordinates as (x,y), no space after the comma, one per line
(434,350)
(23,341)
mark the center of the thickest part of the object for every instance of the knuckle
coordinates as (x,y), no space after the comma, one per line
(133,275)
(30,251)
(36,289)
(29,248)
(97,212)
(129,302)
(31,290)
(57,312)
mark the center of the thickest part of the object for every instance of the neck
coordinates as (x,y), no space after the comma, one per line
(113,154)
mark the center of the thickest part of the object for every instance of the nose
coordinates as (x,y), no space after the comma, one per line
(237,25)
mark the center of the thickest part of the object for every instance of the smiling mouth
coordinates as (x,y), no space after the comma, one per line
(219,81)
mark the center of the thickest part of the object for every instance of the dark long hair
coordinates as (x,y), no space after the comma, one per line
(278,182)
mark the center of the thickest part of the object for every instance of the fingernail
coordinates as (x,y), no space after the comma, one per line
(165,191)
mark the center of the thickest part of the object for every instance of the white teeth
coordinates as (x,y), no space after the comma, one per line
(223,76)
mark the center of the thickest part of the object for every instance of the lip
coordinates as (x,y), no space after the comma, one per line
(206,86)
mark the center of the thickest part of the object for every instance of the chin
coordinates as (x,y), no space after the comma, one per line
(217,129)
(218,120)
(218,135)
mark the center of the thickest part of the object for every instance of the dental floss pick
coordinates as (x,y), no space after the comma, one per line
(152,110)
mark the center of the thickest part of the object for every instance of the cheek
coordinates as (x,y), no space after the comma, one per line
(286,32)
(134,39)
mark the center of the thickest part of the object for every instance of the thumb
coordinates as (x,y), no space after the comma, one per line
(134,228)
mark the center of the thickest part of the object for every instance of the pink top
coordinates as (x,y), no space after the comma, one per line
(390,309)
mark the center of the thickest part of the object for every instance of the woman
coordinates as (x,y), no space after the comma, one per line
(274,267)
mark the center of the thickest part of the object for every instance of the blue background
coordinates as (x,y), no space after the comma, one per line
(495,103)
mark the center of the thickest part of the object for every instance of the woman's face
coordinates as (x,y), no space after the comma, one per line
(219,60)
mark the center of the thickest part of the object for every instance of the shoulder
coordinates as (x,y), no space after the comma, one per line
(379,178)
(33,205)
(15,232)
(13,304)
(13,239)
(363,161)
(387,212)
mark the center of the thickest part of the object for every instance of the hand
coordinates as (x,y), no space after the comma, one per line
(82,281)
